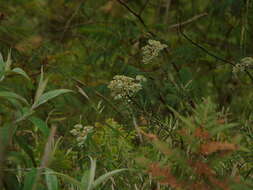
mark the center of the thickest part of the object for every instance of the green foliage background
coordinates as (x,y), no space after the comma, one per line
(81,45)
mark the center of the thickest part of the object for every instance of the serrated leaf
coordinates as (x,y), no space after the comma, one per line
(48,96)
(8,94)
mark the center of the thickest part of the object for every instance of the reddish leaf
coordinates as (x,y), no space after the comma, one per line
(212,147)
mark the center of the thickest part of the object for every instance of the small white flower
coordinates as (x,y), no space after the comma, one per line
(81,132)
(140,78)
(124,87)
(151,50)
(243,65)
(74,132)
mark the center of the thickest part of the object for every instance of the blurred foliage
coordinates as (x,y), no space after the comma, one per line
(58,57)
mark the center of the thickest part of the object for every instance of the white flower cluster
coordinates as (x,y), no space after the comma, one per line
(81,132)
(244,64)
(124,87)
(151,50)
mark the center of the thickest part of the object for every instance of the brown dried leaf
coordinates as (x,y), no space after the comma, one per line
(218,183)
(212,147)
(201,133)
(150,136)
(202,168)
(198,186)
(166,178)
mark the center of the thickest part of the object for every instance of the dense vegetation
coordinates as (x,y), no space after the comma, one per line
(126,94)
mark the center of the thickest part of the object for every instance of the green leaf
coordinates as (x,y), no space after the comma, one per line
(30,179)
(42,126)
(41,87)
(8,62)
(2,63)
(183,119)
(85,179)
(92,174)
(20,72)
(23,143)
(106,176)
(67,178)
(5,133)
(25,113)
(48,96)
(11,181)
(219,129)
(7,94)
(185,75)
(51,180)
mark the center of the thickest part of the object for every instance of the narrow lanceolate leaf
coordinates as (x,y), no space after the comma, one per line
(42,126)
(106,176)
(41,87)
(8,62)
(7,94)
(2,63)
(40,90)
(51,180)
(48,96)
(83,93)
(21,72)
(92,174)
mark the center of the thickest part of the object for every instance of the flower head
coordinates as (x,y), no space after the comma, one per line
(124,87)
(81,132)
(151,50)
(243,65)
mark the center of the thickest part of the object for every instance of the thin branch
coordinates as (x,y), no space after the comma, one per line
(70,19)
(132,11)
(202,48)
(136,15)
(210,53)
(196,17)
